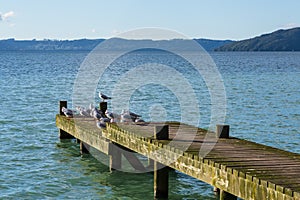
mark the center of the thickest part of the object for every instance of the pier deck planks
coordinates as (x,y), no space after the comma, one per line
(245,169)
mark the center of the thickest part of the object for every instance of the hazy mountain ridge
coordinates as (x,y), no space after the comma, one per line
(280,40)
(32,45)
(211,45)
(82,44)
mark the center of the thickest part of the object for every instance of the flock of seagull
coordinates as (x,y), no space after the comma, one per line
(100,117)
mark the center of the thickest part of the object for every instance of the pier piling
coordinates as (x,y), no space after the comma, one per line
(222,131)
(103,106)
(63,134)
(61,105)
(161,172)
(84,148)
(161,132)
(161,181)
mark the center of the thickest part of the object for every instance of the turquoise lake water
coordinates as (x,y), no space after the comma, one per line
(263,105)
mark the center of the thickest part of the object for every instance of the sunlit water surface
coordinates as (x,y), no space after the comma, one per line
(263,105)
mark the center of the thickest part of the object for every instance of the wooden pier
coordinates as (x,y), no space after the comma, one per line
(236,167)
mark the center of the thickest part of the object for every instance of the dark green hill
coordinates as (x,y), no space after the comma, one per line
(281,40)
(210,45)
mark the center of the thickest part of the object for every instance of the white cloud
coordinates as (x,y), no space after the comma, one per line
(6,15)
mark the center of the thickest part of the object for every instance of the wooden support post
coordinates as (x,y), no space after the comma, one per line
(103,106)
(226,196)
(161,181)
(222,131)
(63,134)
(115,157)
(62,104)
(161,132)
(84,148)
(161,172)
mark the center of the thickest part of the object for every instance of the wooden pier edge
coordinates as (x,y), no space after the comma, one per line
(62,133)
(229,174)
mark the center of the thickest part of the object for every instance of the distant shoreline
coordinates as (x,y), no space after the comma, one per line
(81,44)
(280,40)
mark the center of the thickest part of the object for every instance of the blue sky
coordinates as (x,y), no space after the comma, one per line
(213,19)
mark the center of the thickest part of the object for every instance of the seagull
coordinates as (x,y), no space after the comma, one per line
(109,115)
(89,110)
(104,120)
(96,114)
(68,112)
(129,115)
(101,124)
(103,96)
(126,118)
(132,114)
(82,111)
(78,108)
(112,116)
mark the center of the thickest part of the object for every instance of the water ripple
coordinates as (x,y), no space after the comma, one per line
(263,106)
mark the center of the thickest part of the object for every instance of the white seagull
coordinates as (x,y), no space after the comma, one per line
(103,96)
(112,116)
(68,112)
(82,111)
(126,115)
(101,124)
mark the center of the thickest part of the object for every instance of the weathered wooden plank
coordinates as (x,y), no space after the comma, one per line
(244,169)
(86,132)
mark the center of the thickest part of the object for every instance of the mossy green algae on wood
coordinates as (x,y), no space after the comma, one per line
(244,169)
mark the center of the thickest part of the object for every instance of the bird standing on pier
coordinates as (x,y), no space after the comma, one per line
(103,96)
(82,111)
(127,116)
(105,120)
(112,116)
(101,124)
(68,112)
(97,114)
(89,110)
